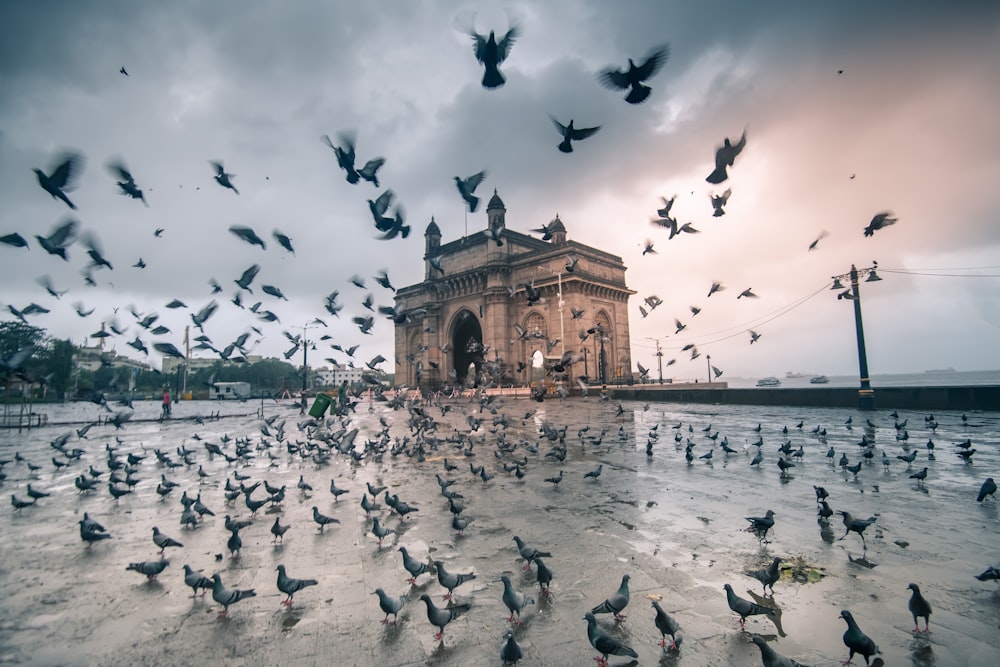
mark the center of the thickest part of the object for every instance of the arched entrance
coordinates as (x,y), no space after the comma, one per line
(467,346)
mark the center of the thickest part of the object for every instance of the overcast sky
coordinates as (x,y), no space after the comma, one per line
(850,108)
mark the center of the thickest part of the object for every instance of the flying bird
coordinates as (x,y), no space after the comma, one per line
(283,241)
(716,287)
(632,78)
(822,235)
(248,235)
(467,188)
(222,178)
(570,134)
(725,155)
(667,205)
(127,183)
(746,293)
(345,155)
(62,178)
(369,172)
(718,201)
(880,221)
(492,53)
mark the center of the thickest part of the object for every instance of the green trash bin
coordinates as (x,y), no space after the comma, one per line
(320,405)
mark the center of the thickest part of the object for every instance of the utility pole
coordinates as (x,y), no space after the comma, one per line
(708,361)
(866,395)
(659,357)
(305,352)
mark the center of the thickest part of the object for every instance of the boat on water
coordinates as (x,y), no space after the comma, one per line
(819,379)
(769,382)
(792,376)
(950,369)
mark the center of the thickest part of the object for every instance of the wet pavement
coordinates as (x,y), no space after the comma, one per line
(676,528)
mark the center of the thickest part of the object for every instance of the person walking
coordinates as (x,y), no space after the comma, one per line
(342,395)
(165,414)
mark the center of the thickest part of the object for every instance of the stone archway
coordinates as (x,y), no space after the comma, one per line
(467,347)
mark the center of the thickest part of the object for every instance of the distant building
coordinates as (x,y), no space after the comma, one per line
(229,391)
(334,375)
(463,315)
(92,358)
(171,364)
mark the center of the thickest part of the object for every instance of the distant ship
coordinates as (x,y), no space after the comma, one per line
(792,376)
(950,369)
(769,382)
(819,379)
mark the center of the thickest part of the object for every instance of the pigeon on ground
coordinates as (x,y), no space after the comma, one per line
(491,53)
(390,605)
(667,626)
(162,541)
(769,575)
(744,607)
(196,580)
(227,596)
(595,473)
(529,553)
(322,519)
(725,155)
(769,657)
(604,643)
(290,586)
(920,608)
(449,580)
(760,525)
(150,568)
(880,220)
(379,531)
(413,566)
(989,488)
(857,641)
(62,178)
(88,533)
(632,78)
(616,603)
(856,525)
(543,576)
(514,600)
(442,617)
(570,134)
(278,530)
(991,573)
(510,650)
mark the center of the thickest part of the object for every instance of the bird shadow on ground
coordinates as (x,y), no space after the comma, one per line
(770,604)
(862,561)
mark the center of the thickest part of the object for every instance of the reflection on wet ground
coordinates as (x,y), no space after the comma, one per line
(675,526)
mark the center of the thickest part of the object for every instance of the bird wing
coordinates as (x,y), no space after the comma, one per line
(614,79)
(65,173)
(478,46)
(504,45)
(583,132)
(562,130)
(653,64)
(472,182)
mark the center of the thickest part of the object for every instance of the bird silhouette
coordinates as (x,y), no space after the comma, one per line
(222,178)
(467,188)
(880,221)
(570,134)
(492,53)
(62,178)
(725,155)
(632,78)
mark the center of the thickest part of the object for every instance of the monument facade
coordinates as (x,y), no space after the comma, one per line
(497,302)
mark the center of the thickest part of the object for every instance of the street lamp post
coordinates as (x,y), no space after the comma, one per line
(659,357)
(305,353)
(708,362)
(866,395)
